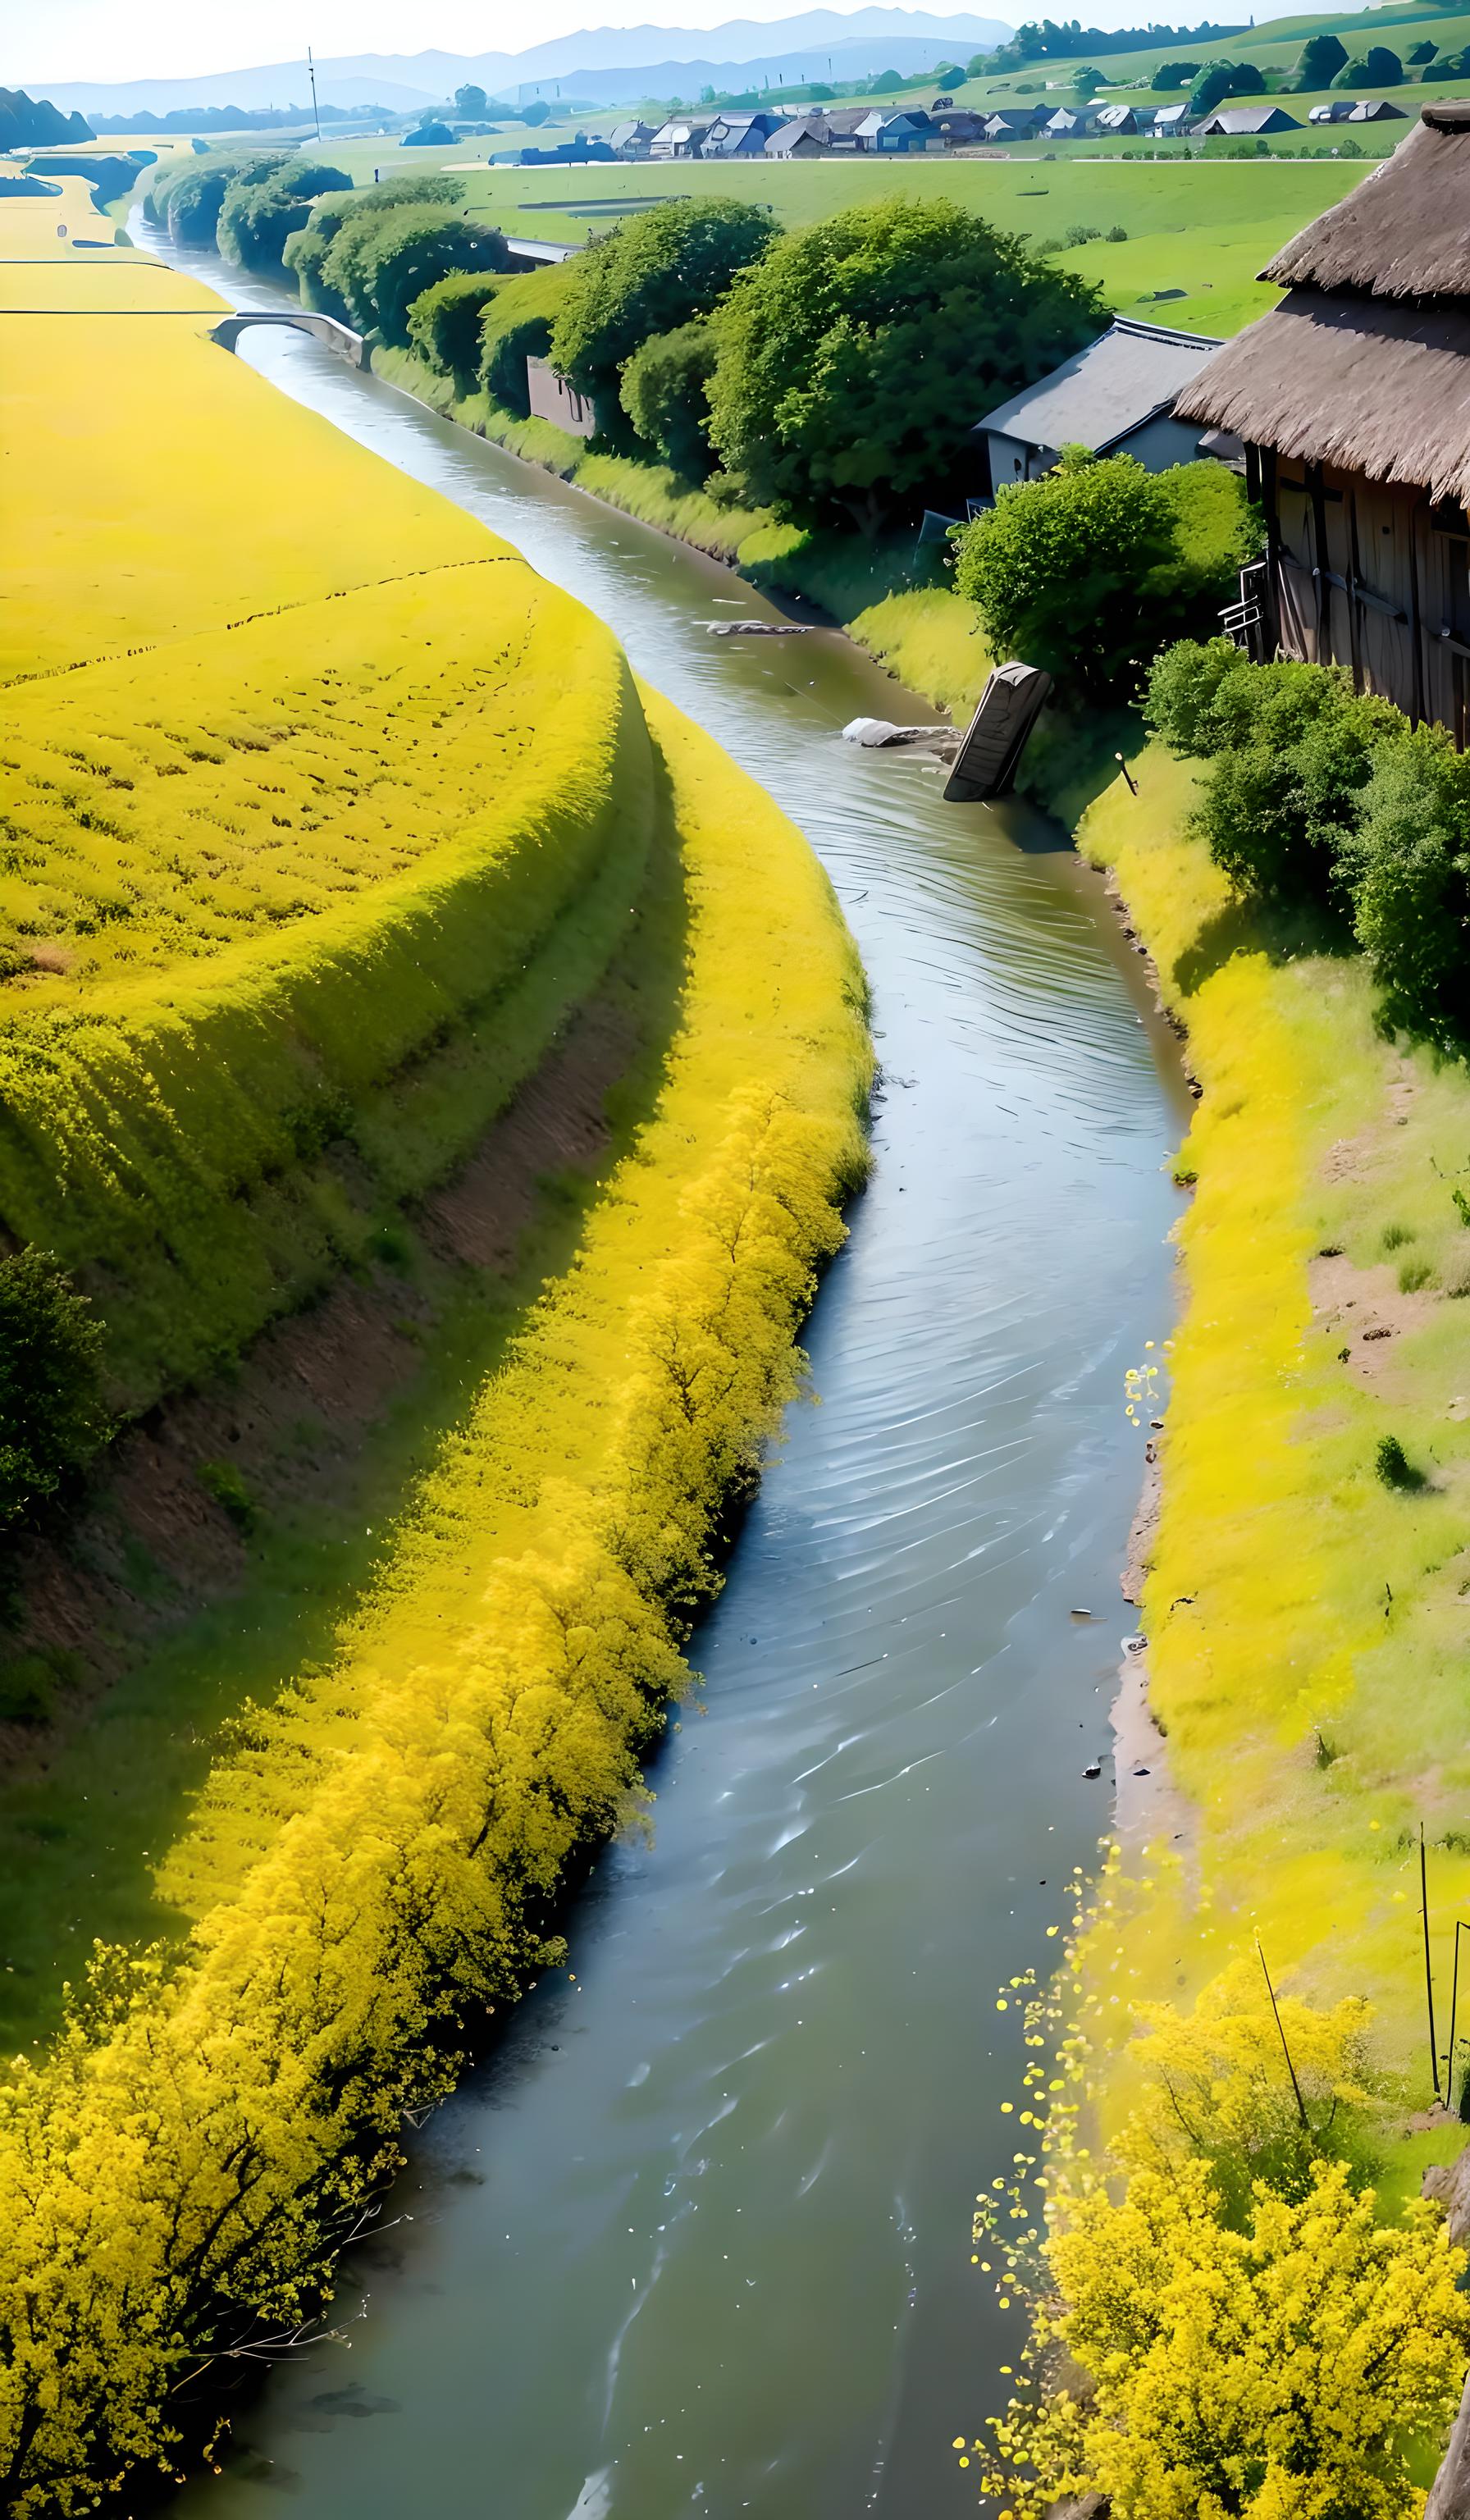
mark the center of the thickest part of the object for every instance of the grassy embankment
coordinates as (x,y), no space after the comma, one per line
(1308,1623)
(253,1060)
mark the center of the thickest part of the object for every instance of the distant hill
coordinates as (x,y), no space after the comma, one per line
(602,63)
(33,122)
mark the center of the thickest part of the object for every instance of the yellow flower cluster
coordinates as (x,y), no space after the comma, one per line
(1219,2326)
(375,1861)
(160,807)
(263,875)
(1277,2372)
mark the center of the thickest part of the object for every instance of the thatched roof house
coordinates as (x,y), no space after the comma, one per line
(1353,397)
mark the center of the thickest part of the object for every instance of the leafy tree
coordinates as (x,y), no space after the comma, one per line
(1089,569)
(652,274)
(1087,80)
(536,112)
(1378,67)
(828,399)
(471,102)
(1384,67)
(444,325)
(187,200)
(52,1416)
(431,134)
(255,220)
(306,253)
(1316,65)
(664,393)
(1172,74)
(1406,864)
(1214,84)
(1419,53)
(377,267)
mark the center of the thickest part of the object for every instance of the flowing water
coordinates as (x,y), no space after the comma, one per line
(697,2239)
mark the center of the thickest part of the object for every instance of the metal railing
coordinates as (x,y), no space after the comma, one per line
(1243,622)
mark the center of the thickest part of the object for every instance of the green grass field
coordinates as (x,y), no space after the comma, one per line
(1202,228)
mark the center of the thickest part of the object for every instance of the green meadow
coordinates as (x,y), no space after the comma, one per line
(1198,230)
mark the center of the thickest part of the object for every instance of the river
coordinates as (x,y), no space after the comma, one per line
(697,2239)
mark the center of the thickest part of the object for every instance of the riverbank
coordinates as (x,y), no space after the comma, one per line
(1306,1621)
(887,599)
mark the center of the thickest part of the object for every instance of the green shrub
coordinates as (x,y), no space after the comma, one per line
(655,274)
(1293,751)
(378,266)
(1412,1275)
(1088,569)
(664,393)
(1391,1465)
(257,219)
(1378,67)
(305,253)
(1183,683)
(1406,863)
(444,325)
(222,1481)
(52,1416)
(29,1683)
(187,199)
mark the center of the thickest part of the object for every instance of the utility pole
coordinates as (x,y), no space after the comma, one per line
(311,73)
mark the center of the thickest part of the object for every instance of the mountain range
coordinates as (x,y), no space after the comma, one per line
(605,64)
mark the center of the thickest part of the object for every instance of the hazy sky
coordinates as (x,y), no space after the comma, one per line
(113,39)
(118,40)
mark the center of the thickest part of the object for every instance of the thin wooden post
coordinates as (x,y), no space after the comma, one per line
(1281,2034)
(1455,1989)
(1434,2045)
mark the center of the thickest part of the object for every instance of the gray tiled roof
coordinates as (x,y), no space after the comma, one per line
(1102,392)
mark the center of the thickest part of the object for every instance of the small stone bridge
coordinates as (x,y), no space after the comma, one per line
(348,344)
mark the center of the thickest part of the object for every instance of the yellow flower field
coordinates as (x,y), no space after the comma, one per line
(324,813)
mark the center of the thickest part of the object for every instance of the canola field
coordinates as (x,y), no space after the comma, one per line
(319,835)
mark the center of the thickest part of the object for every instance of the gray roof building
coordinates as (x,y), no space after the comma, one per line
(1066,124)
(1116,396)
(740,135)
(802,137)
(1245,122)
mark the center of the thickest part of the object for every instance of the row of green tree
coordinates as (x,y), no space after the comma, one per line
(832,374)
(362,256)
(1048,41)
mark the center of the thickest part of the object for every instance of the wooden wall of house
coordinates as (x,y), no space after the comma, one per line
(1370,576)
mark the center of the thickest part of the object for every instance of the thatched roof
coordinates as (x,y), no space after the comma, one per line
(1378,388)
(1404,232)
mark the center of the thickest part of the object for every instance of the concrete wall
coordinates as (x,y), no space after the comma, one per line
(551,397)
